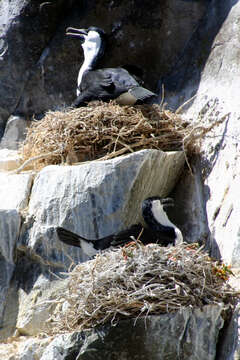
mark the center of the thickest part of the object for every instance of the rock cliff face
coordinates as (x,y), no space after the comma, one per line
(94,200)
(215,84)
(192,48)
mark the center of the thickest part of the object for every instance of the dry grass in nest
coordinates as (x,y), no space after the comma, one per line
(137,281)
(107,130)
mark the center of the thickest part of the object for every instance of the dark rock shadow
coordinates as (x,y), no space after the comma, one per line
(182,82)
(189,213)
(191,196)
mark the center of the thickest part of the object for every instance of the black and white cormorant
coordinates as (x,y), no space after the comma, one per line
(108,83)
(159,229)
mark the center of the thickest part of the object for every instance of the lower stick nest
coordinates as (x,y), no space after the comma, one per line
(137,281)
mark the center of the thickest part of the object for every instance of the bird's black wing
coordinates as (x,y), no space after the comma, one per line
(106,84)
(121,238)
(96,80)
(101,77)
(127,235)
(115,80)
(121,78)
(150,236)
(68,237)
(95,85)
(137,232)
(118,239)
(141,93)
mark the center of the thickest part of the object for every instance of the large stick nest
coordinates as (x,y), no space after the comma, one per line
(102,130)
(139,280)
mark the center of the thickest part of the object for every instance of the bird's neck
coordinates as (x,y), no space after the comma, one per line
(91,56)
(159,215)
(156,218)
(85,67)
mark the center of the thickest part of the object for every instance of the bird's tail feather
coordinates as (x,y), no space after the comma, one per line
(141,93)
(68,237)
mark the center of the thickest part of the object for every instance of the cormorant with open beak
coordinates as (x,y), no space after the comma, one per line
(108,83)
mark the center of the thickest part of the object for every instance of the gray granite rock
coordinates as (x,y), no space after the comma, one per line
(26,29)
(15,190)
(9,159)
(15,132)
(14,197)
(10,222)
(209,198)
(36,306)
(64,346)
(229,347)
(189,334)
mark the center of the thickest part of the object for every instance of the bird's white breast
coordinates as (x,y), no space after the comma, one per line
(91,48)
(161,216)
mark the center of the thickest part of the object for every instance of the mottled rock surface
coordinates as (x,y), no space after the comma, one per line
(187,334)
(26,29)
(93,199)
(14,197)
(15,190)
(35,306)
(9,159)
(15,133)
(210,197)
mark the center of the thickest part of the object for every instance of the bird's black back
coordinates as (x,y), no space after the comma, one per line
(107,82)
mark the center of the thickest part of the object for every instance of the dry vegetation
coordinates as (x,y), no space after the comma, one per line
(137,281)
(102,130)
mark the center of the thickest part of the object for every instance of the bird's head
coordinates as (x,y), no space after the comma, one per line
(93,40)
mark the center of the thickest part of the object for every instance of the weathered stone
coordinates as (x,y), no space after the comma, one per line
(15,191)
(64,346)
(187,334)
(32,349)
(24,348)
(189,211)
(10,222)
(209,63)
(15,132)
(229,347)
(9,159)
(94,199)
(36,306)
(14,196)
(211,207)
(26,29)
